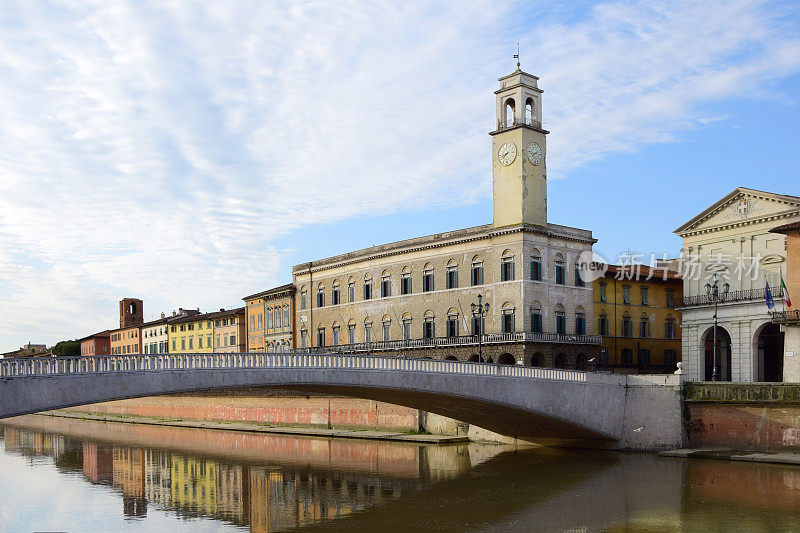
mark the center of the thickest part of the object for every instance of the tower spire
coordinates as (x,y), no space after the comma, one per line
(516,56)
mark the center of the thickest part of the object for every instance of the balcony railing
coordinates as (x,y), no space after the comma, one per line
(468,340)
(732,296)
(504,125)
(786,317)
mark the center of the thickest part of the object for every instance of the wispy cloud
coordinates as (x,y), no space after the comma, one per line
(158,150)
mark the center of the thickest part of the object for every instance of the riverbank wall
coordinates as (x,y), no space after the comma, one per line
(289,409)
(743,416)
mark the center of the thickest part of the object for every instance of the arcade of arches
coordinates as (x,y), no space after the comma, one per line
(767,354)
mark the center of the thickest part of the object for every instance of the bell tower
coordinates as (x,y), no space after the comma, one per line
(519,173)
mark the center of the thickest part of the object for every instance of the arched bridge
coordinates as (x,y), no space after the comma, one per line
(544,405)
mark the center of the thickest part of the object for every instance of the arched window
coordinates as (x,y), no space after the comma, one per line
(428,325)
(368,286)
(536,265)
(386,322)
(580,321)
(386,284)
(507,321)
(405,281)
(351,331)
(560,361)
(510,106)
(536,317)
(321,336)
(335,330)
(669,327)
(560,269)
(427,278)
(351,290)
(530,111)
(580,362)
(476,273)
(627,325)
(507,266)
(335,293)
(303,298)
(368,329)
(406,326)
(561,320)
(506,359)
(452,322)
(602,323)
(320,295)
(536,359)
(304,338)
(452,274)
(644,326)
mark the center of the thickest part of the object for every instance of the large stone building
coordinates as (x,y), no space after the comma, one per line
(417,294)
(637,316)
(788,318)
(732,242)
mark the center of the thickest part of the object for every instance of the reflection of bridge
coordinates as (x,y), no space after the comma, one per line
(538,404)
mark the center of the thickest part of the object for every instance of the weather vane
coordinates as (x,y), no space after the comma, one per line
(516,56)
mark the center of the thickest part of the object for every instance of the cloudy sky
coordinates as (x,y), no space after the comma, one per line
(189,153)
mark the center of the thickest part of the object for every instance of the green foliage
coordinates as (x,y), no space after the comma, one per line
(64,348)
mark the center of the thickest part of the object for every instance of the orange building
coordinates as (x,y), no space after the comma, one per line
(125,341)
(96,344)
(270,320)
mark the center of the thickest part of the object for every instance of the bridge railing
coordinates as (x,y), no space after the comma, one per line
(59,366)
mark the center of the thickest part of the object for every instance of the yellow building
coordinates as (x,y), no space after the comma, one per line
(194,484)
(192,334)
(270,320)
(637,317)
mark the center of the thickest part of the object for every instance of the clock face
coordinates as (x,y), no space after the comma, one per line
(507,153)
(534,152)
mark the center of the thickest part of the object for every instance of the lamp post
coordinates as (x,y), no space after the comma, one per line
(478,311)
(713,291)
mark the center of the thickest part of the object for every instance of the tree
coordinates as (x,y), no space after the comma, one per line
(67,348)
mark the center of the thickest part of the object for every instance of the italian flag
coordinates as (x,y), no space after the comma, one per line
(785,292)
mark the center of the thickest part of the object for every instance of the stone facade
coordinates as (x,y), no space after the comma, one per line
(423,288)
(732,239)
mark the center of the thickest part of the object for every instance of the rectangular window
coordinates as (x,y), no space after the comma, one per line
(334,298)
(252,322)
(626,294)
(191,343)
(224,322)
(368,291)
(321,337)
(670,357)
(508,322)
(183,343)
(536,322)
(199,342)
(476,277)
(405,284)
(669,330)
(643,292)
(452,326)
(351,292)
(536,268)
(351,333)
(386,287)
(321,299)
(303,298)
(407,330)
(336,336)
(560,274)
(478,325)
(232,340)
(507,269)
(278,316)
(561,324)
(260,321)
(286,323)
(602,326)
(367,332)
(219,340)
(670,293)
(452,277)
(428,329)
(627,356)
(303,339)
(208,340)
(578,279)
(580,325)
(427,281)
(644,329)
(627,327)
(269,319)
(644,356)
(387,331)
(174,347)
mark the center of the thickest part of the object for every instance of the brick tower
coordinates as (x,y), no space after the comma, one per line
(131,312)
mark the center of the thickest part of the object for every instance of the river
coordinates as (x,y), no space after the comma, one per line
(74,475)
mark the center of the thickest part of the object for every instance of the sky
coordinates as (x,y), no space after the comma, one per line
(190,153)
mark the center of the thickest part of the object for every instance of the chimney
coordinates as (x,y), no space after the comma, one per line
(173,312)
(162,315)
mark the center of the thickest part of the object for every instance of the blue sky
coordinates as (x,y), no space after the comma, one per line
(191,153)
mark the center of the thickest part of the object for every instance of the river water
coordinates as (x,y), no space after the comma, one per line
(73,475)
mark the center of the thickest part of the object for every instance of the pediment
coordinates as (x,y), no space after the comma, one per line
(741,206)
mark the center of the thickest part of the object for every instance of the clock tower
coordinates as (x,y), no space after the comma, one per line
(519,174)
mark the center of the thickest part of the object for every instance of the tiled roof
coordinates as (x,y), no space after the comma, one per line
(786,227)
(208,316)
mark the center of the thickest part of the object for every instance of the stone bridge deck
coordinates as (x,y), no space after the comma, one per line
(545,405)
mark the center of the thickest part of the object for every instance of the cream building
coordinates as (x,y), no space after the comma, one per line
(414,296)
(732,239)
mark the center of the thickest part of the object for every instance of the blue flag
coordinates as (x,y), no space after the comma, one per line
(770,301)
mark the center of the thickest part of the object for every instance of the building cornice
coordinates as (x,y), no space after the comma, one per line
(740,224)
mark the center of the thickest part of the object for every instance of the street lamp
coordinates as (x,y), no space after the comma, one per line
(713,291)
(478,311)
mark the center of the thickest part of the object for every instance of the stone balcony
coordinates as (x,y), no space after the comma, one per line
(786,317)
(745,295)
(467,340)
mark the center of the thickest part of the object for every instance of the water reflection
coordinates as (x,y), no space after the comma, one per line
(261,482)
